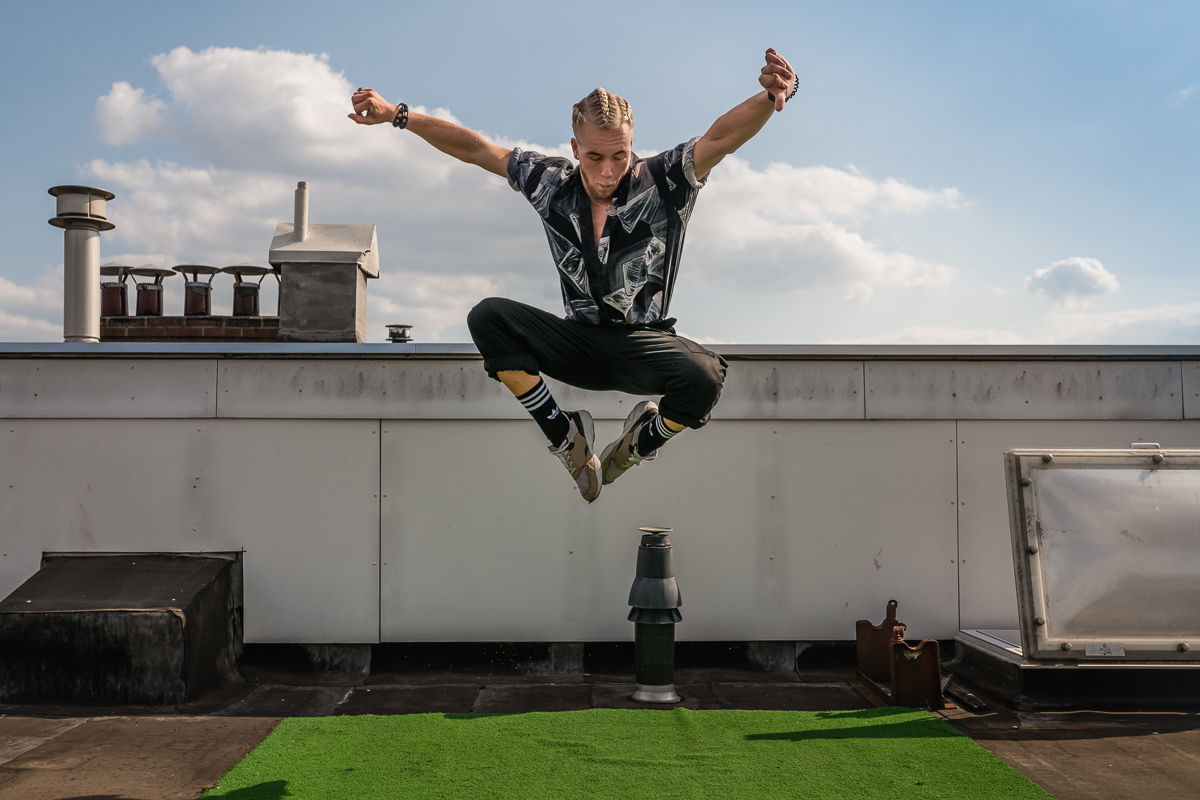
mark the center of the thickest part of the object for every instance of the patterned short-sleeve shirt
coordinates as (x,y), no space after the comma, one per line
(629,278)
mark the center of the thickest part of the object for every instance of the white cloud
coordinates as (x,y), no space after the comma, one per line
(1165,323)
(160,260)
(924,334)
(1073,282)
(32,313)
(704,340)
(45,294)
(216,215)
(781,230)
(260,120)
(430,303)
(125,115)
(1181,96)
(276,111)
(1168,322)
(20,328)
(785,194)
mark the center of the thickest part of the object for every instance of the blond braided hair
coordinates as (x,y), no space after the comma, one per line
(602,110)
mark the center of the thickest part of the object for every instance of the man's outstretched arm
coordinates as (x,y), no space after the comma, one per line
(455,140)
(736,127)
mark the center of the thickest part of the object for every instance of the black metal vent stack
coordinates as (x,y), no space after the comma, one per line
(656,601)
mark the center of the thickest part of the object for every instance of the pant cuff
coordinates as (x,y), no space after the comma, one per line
(682,419)
(516,361)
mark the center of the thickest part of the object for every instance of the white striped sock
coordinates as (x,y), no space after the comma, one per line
(537,397)
(661,429)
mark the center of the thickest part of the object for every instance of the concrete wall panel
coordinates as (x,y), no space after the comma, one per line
(103,388)
(1024,390)
(418,389)
(783,530)
(298,497)
(397,389)
(360,389)
(1191,390)
(792,390)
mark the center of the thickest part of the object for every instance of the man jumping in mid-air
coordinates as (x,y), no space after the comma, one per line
(615,224)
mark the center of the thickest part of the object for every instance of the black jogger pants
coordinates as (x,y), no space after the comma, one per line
(627,358)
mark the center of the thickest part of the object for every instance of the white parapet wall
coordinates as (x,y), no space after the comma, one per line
(393,493)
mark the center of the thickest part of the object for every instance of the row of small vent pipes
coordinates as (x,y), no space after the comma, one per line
(197,294)
(82,211)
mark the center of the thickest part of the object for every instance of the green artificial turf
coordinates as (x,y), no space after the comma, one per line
(733,755)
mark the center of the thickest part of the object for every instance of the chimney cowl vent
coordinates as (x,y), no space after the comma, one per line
(399,334)
(82,212)
(82,207)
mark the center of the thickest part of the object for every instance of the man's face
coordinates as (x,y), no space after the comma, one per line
(604,158)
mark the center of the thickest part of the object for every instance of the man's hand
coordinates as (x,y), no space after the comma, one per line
(370,108)
(777,77)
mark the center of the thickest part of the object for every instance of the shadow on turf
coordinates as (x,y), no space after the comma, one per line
(926,728)
(271,790)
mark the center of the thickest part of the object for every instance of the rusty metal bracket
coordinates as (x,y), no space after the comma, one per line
(874,644)
(916,674)
(912,674)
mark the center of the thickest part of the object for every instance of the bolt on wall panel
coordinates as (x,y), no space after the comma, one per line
(989,597)
(107,388)
(298,497)
(1024,390)
(783,530)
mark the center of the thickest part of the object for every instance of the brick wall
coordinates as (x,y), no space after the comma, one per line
(189,329)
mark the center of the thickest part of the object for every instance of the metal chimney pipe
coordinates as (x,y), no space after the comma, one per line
(655,602)
(81,279)
(300,229)
(82,212)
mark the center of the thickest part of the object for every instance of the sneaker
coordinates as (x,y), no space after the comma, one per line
(622,454)
(577,455)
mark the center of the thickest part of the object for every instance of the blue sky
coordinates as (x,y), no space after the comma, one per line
(948,172)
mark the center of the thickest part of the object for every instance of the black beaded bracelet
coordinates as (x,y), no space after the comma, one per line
(795,86)
(401,120)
